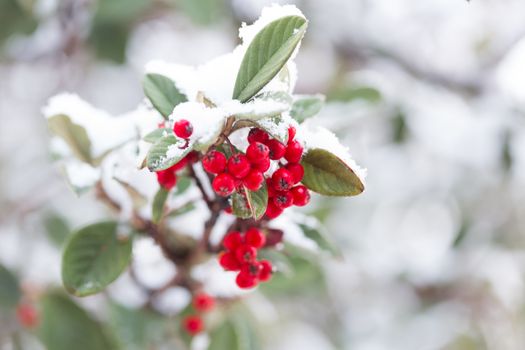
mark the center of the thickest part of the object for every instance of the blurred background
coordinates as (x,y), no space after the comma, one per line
(428,95)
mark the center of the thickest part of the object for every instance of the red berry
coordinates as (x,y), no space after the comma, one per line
(223,184)
(255,238)
(283,200)
(253,180)
(238,165)
(193,324)
(258,135)
(294,152)
(272,211)
(167,178)
(297,171)
(214,162)
(27,315)
(229,262)
(192,157)
(245,253)
(251,269)
(203,302)
(277,149)
(245,281)
(232,240)
(183,128)
(291,133)
(266,271)
(269,187)
(282,180)
(228,210)
(257,152)
(161,125)
(263,166)
(301,195)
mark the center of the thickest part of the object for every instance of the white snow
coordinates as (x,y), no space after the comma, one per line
(81,175)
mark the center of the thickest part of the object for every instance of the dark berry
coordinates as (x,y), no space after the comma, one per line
(238,165)
(297,171)
(269,187)
(283,200)
(229,262)
(255,238)
(245,281)
(167,178)
(245,253)
(277,149)
(203,302)
(223,184)
(272,211)
(263,166)
(294,152)
(266,271)
(258,135)
(253,180)
(274,237)
(193,324)
(282,180)
(183,128)
(232,240)
(214,162)
(301,195)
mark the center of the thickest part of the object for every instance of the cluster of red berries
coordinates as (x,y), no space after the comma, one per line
(248,170)
(241,255)
(194,324)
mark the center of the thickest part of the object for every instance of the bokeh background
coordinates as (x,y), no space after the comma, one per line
(428,95)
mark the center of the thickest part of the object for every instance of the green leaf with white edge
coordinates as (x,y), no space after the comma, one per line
(319,236)
(162,93)
(64,325)
(158,204)
(328,175)
(305,107)
(9,289)
(94,257)
(277,127)
(73,134)
(267,54)
(166,152)
(156,135)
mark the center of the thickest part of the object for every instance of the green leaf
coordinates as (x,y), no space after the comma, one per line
(158,204)
(183,184)
(64,326)
(156,135)
(94,257)
(236,333)
(257,201)
(319,236)
(162,93)
(250,204)
(306,107)
(136,329)
(328,175)
(74,135)
(267,54)
(57,229)
(158,159)
(9,289)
